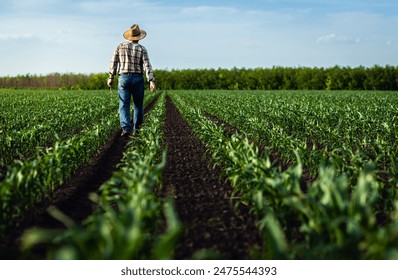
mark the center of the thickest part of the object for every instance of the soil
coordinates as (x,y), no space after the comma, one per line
(213,227)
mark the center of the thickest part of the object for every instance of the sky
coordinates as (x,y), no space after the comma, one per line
(39,37)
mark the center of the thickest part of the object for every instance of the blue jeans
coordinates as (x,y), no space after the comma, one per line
(131,84)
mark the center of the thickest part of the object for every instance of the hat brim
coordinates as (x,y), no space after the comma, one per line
(127,35)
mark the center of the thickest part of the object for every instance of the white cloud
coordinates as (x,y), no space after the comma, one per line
(333,38)
(15,37)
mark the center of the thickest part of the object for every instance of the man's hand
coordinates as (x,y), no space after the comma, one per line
(152,86)
(110,82)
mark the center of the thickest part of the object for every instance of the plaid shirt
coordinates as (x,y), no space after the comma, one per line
(131,57)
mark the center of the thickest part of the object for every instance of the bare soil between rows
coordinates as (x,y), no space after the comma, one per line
(213,226)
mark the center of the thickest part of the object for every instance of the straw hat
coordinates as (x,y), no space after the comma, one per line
(134,33)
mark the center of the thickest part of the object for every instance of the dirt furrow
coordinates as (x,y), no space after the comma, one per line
(202,198)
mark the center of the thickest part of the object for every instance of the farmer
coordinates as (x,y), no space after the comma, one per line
(129,60)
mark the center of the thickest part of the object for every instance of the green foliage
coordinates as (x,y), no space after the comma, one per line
(57,80)
(323,187)
(127,223)
(37,118)
(275,78)
(334,216)
(345,129)
(28,182)
(278,78)
(47,135)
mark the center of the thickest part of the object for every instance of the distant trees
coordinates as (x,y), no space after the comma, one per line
(275,78)
(56,80)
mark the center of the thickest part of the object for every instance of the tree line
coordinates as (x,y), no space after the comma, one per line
(56,80)
(275,78)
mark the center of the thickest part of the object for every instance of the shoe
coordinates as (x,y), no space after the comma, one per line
(125,133)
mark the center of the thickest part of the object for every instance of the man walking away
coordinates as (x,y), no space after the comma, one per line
(129,60)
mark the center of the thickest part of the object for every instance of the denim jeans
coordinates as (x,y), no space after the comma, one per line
(131,84)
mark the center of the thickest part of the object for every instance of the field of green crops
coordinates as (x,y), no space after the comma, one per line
(319,170)
(45,137)
(330,189)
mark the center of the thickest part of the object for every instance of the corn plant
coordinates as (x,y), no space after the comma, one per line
(128,223)
(336,217)
(344,129)
(29,181)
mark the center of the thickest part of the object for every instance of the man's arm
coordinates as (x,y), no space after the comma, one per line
(113,67)
(147,66)
(148,71)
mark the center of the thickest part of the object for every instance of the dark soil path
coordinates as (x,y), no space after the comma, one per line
(202,198)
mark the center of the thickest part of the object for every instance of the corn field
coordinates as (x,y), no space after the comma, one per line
(301,175)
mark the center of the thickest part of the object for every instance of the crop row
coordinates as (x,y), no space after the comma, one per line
(128,221)
(343,129)
(31,181)
(32,119)
(334,218)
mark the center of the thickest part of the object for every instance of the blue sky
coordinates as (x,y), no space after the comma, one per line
(79,36)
